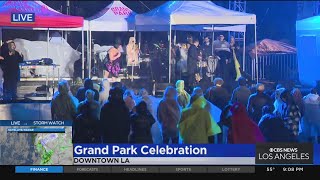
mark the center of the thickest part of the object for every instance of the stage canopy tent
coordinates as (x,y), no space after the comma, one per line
(45,17)
(308,54)
(190,13)
(193,16)
(115,17)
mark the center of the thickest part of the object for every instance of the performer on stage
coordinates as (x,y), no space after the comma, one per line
(192,63)
(132,56)
(235,51)
(122,51)
(226,63)
(159,63)
(113,66)
(207,48)
(183,60)
(10,59)
(132,53)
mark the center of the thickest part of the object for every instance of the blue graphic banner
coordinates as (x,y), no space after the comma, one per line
(36,123)
(316,154)
(36,130)
(23,18)
(39,169)
(157,150)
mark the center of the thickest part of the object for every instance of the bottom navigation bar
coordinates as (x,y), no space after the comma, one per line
(225,169)
(160,169)
(135,169)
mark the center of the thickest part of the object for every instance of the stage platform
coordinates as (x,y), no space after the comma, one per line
(95,78)
(27,87)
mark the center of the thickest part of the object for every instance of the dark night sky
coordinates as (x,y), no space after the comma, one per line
(275,19)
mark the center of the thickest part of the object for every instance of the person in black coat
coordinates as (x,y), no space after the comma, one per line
(9,60)
(115,118)
(273,127)
(217,94)
(256,102)
(140,125)
(88,84)
(86,127)
(192,63)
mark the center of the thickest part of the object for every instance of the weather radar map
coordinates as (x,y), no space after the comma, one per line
(35,145)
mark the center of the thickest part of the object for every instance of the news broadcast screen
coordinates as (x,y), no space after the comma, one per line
(159,87)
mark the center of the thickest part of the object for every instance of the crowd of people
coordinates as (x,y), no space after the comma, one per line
(107,113)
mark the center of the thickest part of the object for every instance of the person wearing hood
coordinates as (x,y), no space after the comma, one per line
(273,127)
(104,93)
(88,84)
(152,104)
(197,125)
(278,104)
(241,128)
(86,127)
(151,101)
(297,98)
(96,86)
(168,115)
(211,108)
(63,104)
(310,123)
(115,118)
(183,96)
(129,100)
(89,102)
(140,125)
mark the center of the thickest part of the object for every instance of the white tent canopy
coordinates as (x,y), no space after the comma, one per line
(190,13)
(183,15)
(114,17)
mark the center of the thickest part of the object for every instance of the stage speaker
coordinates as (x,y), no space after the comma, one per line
(159,88)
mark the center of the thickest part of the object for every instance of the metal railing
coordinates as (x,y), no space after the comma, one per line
(273,67)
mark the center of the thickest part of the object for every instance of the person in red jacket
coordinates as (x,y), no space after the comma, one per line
(242,129)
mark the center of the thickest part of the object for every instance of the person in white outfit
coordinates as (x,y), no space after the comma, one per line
(182,64)
(104,93)
(309,129)
(278,104)
(152,104)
